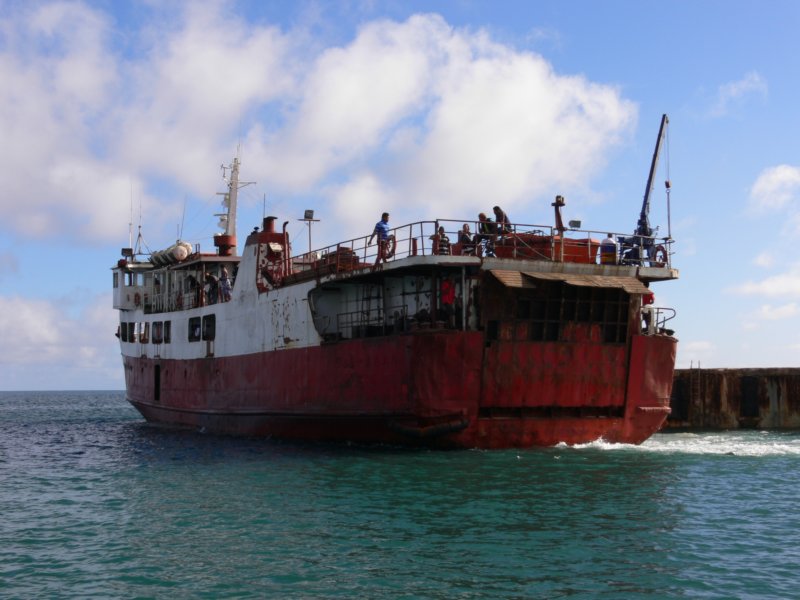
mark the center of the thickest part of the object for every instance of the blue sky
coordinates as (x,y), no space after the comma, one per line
(424,109)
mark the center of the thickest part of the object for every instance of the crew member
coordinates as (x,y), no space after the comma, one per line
(382,231)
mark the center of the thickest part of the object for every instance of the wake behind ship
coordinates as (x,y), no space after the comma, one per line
(525,335)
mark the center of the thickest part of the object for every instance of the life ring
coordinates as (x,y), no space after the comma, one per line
(659,256)
(179,301)
(389,247)
(137,299)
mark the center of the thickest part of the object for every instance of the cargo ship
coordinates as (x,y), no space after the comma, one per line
(522,335)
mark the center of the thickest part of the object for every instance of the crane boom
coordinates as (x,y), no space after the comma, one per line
(643,226)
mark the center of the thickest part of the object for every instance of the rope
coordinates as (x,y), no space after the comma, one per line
(669,187)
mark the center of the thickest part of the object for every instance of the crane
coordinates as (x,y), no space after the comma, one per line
(642,238)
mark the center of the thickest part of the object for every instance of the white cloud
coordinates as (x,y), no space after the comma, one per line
(58,59)
(84,127)
(44,334)
(360,194)
(764,259)
(193,87)
(694,353)
(545,35)
(439,116)
(776,188)
(734,93)
(768,312)
(507,128)
(353,96)
(436,114)
(783,285)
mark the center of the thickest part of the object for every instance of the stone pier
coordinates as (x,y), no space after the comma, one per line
(735,399)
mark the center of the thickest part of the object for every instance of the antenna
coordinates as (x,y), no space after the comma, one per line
(183,217)
(139,238)
(308,217)
(130,221)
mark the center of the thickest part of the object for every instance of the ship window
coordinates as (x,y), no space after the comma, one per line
(131,332)
(539,309)
(167,332)
(116,280)
(123,332)
(144,332)
(523,309)
(209,327)
(570,309)
(584,308)
(158,332)
(554,304)
(491,330)
(194,329)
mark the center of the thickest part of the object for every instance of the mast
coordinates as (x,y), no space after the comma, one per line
(232,196)
(226,242)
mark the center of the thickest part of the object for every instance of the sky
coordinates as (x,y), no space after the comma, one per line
(116,118)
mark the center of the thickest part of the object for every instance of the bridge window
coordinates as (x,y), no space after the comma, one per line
(158,332)
(209,327)
(194,329)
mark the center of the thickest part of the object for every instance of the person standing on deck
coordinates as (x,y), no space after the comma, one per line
(484,238)
(609,249)
(225,286)
(448,299)
(382,231)
(441,243)
(501,218)
(466,241)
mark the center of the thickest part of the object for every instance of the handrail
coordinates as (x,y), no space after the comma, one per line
(524,241)
(656,318)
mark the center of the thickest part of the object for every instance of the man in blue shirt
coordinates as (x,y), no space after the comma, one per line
(382,231)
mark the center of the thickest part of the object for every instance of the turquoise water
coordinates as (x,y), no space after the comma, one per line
(96,503)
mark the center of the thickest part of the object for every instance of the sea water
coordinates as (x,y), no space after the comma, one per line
(96,503)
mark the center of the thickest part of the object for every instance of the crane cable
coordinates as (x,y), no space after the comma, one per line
(668,187)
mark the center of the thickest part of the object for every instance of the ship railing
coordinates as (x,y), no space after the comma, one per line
(162,302)
(372,323)
(542,242)
(519,240)
(655,319)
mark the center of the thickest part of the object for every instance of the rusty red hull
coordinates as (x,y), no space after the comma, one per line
(439,388)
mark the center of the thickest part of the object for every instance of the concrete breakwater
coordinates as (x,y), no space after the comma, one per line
(735,399)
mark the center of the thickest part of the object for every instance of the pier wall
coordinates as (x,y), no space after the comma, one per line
(735,399)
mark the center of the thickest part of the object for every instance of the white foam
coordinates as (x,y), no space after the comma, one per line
(737,443)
